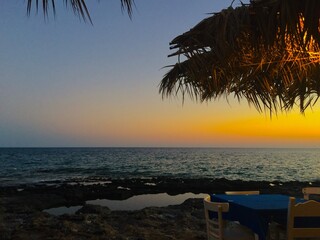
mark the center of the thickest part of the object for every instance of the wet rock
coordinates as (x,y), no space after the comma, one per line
(93,209)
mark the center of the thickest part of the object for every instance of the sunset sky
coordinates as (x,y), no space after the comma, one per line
(66,83)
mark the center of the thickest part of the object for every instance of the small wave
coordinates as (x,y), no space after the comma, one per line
(150,184)
(123,188)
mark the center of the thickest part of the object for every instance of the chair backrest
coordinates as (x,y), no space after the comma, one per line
(242,192)
(307,191)
(215,226)
(306,209)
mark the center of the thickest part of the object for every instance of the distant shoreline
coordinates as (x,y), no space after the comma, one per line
(160,182)
(77,192)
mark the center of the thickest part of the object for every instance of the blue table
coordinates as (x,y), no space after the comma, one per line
(256,211)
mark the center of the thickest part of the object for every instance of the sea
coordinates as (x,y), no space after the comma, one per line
(48,165)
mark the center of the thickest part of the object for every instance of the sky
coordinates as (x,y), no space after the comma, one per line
(67,83)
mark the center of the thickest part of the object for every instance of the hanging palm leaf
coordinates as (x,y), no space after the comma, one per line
(266,52)
(79,7)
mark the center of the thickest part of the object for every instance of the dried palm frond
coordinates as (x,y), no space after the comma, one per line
(267,52)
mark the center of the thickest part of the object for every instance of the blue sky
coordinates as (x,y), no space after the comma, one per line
(64,82)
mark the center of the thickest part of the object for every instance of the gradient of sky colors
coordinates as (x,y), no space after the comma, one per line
(67,83)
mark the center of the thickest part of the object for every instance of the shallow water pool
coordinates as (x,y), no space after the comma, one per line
(133,203)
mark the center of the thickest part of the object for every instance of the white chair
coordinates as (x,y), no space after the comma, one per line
(310,208)
(242,192)
(251,192)
(217,229)
(307,191)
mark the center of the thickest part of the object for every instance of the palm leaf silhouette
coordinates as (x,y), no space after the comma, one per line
(266,52)
(79,7)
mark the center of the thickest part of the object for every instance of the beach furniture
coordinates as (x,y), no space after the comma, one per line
(217,228)
(256,211)
(307,191)
(309,210)
(242,192)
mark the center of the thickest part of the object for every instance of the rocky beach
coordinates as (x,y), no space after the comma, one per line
(22,215)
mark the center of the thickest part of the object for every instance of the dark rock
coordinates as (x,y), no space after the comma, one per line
(93,209)
(21,215)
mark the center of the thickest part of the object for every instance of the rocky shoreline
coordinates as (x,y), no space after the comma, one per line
(22,216)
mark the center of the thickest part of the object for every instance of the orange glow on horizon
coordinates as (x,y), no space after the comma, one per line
(293,126)
(193,125)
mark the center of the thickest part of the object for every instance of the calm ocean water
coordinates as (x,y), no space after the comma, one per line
(34,165)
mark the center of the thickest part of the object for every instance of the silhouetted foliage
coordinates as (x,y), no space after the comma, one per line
(79,7)
(266,52)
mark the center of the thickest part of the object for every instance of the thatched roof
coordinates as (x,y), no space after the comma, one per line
(266,51)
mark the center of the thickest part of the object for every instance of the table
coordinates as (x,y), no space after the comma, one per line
(256,211)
